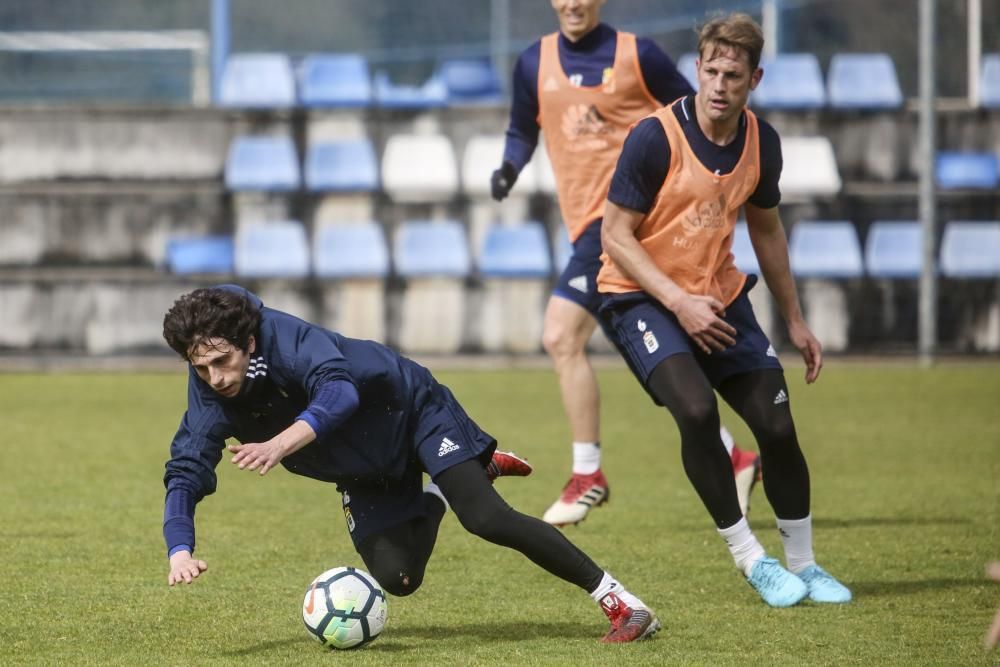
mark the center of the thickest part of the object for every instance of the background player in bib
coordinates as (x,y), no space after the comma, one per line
(680,307)
(356,414)
(584,86)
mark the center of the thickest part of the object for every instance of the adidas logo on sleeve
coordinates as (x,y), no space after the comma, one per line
(447,447)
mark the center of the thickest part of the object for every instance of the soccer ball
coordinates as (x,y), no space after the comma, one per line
(344,608)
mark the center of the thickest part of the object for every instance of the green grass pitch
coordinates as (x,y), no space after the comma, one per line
(906,502)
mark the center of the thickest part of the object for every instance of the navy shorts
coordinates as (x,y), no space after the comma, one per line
(578,282)
(443,436)
(648,333)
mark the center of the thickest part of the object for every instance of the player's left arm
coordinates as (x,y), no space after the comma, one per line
(663,79)
(769,243)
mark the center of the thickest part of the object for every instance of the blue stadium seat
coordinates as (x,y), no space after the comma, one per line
(686,66)
(351,251)
(989,81)
(863,81)
(200,254)
(791,81)
(825,249)
(430,95)
(519,251)
(894,249)
(342,166)
(743,253)
(971,249)
(562,250)
(967,170)
(335,80)
(272,250)
(470,80)
(262,163)
(425,249)
(257,81)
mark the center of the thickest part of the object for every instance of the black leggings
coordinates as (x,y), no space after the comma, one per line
(679,384)
(398,556)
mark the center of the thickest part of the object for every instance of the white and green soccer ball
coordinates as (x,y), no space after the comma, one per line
(345,608)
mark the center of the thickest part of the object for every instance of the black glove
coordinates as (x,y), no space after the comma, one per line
(503,180)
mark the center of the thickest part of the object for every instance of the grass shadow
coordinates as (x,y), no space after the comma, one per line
(862,589)
(507,632)
(883,521)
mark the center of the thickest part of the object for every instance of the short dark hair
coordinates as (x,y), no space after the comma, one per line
(210,313)
(736,30)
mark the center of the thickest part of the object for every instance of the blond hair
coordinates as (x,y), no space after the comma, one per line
(736,30)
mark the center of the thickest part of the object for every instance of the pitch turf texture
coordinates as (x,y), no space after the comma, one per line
(906,472)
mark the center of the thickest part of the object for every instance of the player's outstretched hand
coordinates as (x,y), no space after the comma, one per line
(503,180)
(810,349)
(701,317)
(185,568)
(253,455)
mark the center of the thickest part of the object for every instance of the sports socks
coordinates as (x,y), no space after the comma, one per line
(727,440)
(796,535)
(743,545)
(611,585)
(586,458)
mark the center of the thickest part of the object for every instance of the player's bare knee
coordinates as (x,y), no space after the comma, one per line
(561,344)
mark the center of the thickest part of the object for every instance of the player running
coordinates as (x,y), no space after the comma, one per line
(353,413)
(680,307)
(584,86)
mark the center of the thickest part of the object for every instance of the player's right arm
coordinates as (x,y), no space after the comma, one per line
(522,130)
(190,475)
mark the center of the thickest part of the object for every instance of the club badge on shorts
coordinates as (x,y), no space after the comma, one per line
(648,339)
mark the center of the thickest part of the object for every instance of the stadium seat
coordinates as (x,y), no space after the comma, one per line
(686,66)
(863,81)
(971,249)
(517,251)
(820,253)
(348,165)
(989,81)
(894,249)
(432,94)
(562,250)
(419,168)
(257,81)
(200,254)
(743,253)
(351,250)
(272,250)
(810,167)
(424,248)
(791,81)
(335,80)
(483,154)
(541,166)
(470,81)
(354,258)
(433,258)
(956,170)
(263,164)
(825,249)
(515,265)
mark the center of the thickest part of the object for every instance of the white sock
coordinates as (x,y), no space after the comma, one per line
(743,545)
(586,458)
(727,440)
(611,585)
(433,489)
(797,536)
